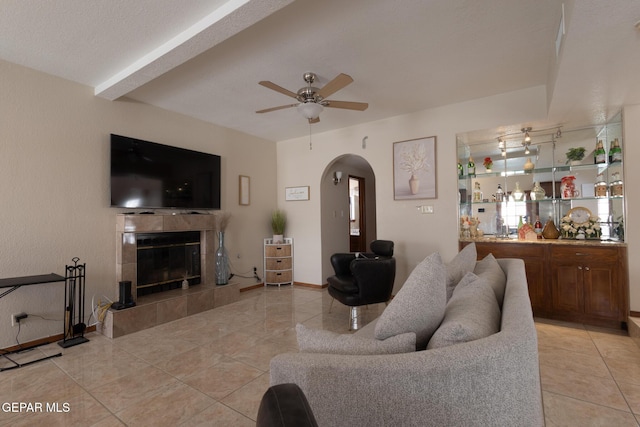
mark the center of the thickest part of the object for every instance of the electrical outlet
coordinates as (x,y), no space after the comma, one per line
(16,318)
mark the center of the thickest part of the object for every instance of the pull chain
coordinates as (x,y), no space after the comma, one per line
(310,145)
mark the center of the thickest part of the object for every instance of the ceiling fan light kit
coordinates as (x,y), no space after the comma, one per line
(310,110)
(311,100)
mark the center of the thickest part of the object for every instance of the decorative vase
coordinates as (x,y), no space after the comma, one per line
(529,166)
(537,192)
(414,184)
(550,231)
(489,170)
(278,238)
(222,262)
(568,187)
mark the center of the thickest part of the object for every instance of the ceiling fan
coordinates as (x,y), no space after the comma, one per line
(311,100)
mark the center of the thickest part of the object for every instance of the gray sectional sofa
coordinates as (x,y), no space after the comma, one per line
(491,381)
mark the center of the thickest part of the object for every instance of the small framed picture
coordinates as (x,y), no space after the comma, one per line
(296,193)
(244,190)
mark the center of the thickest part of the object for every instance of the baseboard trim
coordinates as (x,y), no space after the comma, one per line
(309,285)
(42,341)
(252,287)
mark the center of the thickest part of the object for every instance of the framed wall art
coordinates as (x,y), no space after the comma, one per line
(296,193)
(414,169)
(244,194)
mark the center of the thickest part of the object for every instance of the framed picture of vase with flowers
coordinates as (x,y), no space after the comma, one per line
(414,169)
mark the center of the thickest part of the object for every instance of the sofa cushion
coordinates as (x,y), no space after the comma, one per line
(461,264)
(320,341)
(419,305)
(471,314)
(490,270)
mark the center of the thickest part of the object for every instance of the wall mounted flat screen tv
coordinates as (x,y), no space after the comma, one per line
(150,175)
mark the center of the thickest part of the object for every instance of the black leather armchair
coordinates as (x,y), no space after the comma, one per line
(363,279)
(285,405)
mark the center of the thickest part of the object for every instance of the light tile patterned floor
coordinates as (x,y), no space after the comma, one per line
(211,369)
(590,376)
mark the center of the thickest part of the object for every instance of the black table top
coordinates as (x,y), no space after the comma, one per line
(31,280)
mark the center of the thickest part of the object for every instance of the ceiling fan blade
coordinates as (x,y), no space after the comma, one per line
(282,107)
(348,105)
(277,88)
(316,120)
(335,85)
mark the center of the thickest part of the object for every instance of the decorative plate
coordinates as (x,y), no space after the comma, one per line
(579,215)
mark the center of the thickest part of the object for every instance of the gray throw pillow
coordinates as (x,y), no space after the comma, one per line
(419,305)
(461,264)
(320,341)
(490,270)
(471,314)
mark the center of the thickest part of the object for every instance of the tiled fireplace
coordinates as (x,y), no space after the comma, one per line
(161,300)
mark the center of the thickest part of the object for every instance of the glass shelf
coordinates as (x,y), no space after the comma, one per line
(601,167)
(545,200)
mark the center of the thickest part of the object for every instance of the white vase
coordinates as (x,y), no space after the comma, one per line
(414,184)
(278,238)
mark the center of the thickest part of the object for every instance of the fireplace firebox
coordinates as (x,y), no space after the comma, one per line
(165,259)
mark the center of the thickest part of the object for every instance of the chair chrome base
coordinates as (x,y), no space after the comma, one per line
(354,323)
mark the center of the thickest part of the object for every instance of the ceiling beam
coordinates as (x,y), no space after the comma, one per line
(226,21)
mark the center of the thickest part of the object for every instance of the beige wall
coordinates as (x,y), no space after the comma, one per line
(631,147)
(54,188)
(416,235)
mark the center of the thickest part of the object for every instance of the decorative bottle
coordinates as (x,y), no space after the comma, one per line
(615,188)
(460,170)
(499,194)
(599,156)
(518,194)
(615,152)
(471,167)
(600,187)
(537,227)
(477,193)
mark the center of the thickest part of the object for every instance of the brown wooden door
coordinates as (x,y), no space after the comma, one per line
(601,290)
(357,215)
(566,287)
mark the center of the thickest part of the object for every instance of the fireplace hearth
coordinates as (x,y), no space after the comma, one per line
(157,308)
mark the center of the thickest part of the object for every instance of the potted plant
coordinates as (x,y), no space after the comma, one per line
(488,164)
(575,155)
(278,224)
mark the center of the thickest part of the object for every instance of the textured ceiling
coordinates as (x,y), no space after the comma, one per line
(205,58)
